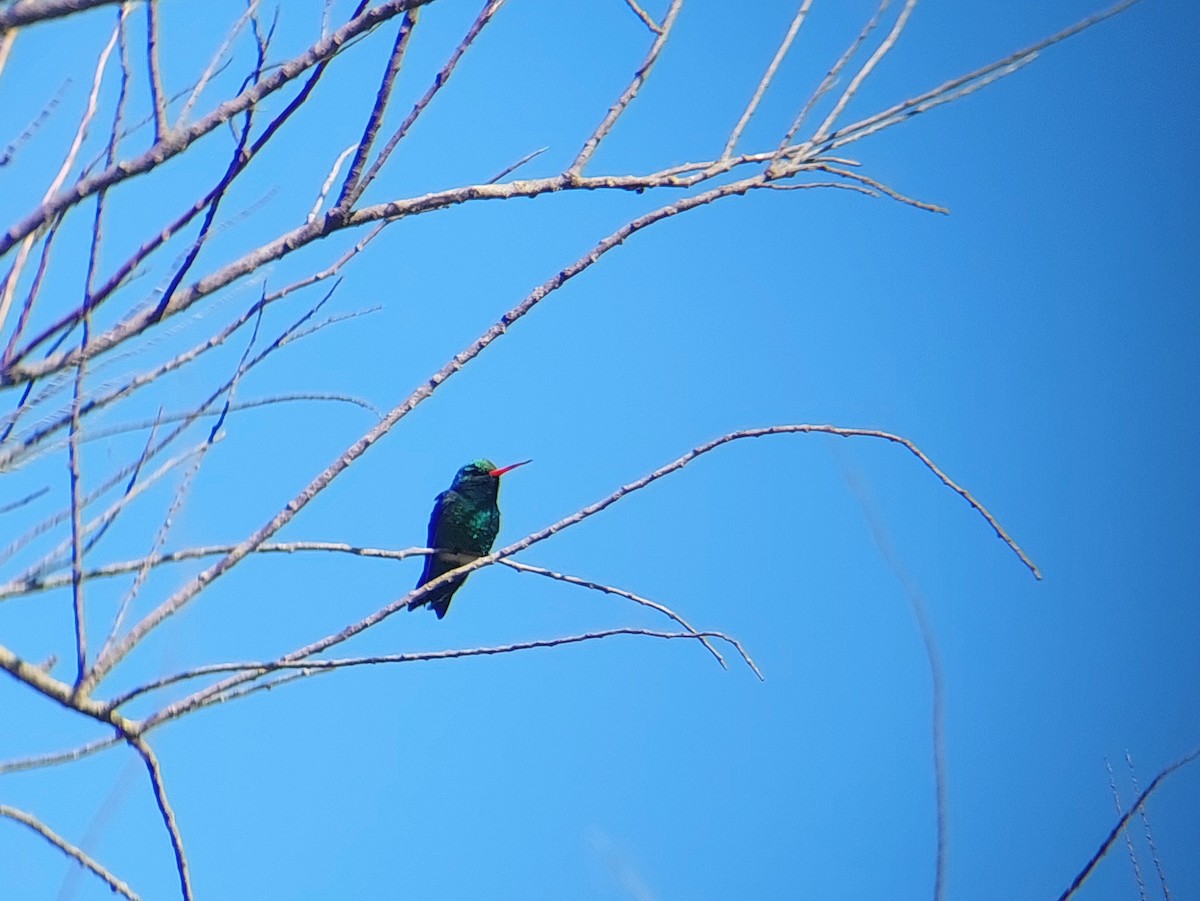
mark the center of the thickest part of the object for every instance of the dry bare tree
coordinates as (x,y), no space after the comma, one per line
(105,341)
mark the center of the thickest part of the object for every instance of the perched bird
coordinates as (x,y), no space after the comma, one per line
(463,525)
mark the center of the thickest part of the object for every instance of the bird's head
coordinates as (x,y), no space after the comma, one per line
(481,477)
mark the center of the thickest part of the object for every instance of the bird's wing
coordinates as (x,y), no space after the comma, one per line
(436,518)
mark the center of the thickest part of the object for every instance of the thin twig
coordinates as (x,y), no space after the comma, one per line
(315,396)
(48,559)
(919,607)
(849,136)
(644,16)
(254,670)
(880,187)
(328,183)
(237,164)
(631,90)
(177,141)
(899,111)
(30,298)
(164,807)
(637,599)
(31,129)
(29,498)
(829,80)
(77,854)
(375,118)
(352,193)
(1137,870)
(10,284)
(12,457)
(128,597)
(1162,877)
(1111,838)
(105,661)
(503,173)
(77,523)
(768,76)
(869,66)
(37,583)
(47,760)
(158,99)
(214,63)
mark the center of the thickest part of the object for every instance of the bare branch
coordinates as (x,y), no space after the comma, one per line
(867,68)
(924,622)
(1137,870)
(639,78)
(254,670)
(881,188)
(98,434)
(503,173)
(925,106)
(20,140)
(59,757)
(99,522)
(175,141)
(168,814)
(644,16)
(768,77)
(328,183)
(7,39)
(14,273)
(67,848)
(157,95)
(830,78)
(127,599)
(1162,877)
(214,63)
(1110,840)
(637,599)
(60,692)
(27,12)
(36,583)
(30,298)
(352,193)
(375,119)
(13,505)
(900,111)
(291,241)
(77,525)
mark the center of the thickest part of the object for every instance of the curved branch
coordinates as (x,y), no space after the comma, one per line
(252,670)
(67,848)
(301,654)
(637,599)
(168,814)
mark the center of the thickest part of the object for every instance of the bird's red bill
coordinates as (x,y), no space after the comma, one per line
(503,469)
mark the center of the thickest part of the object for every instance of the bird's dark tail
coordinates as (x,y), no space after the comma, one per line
(438,599)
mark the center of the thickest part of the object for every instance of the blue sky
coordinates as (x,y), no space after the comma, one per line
(1038,343)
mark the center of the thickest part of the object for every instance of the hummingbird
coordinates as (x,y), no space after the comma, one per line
(463,525)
